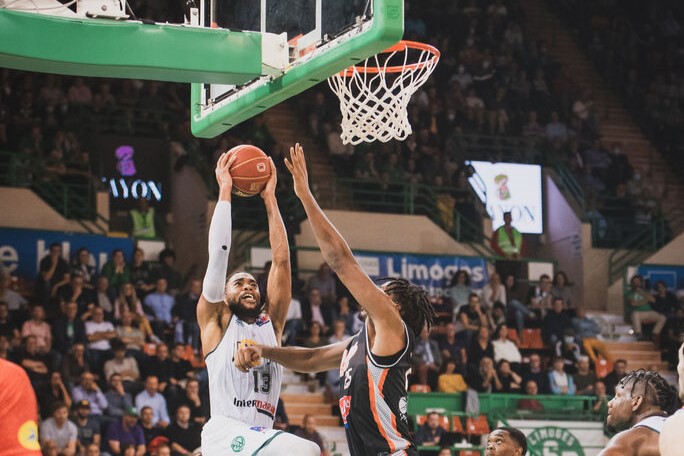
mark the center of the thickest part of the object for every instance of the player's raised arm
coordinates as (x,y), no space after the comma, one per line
(298,359)
(338,255)
(211,302)
(279,285)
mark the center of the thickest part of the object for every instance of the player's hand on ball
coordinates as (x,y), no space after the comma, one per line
(223,177)
(247,357)
(297,167)
(270,188)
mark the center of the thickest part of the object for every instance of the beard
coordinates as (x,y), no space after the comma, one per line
(244,313)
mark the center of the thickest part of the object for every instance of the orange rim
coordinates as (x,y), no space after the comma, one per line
(400,46)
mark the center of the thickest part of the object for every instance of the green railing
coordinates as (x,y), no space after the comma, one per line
(121,120)
(71,195)
(637,248)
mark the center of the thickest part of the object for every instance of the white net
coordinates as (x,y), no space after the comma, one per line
(374,95)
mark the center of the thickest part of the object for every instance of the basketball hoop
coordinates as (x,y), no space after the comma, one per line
(374,95)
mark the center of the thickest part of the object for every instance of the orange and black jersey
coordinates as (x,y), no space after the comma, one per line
(373,399)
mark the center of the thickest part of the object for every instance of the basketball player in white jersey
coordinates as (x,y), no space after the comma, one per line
(230,316)
(642,402)
(672,436)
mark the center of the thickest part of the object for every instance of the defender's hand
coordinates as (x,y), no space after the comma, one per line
(270,188)
(297,167)
(247,357)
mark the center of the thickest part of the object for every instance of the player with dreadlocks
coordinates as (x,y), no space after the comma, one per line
(642,402)
(374,364)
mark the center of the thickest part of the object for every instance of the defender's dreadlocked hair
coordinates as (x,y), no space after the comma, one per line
(653,388)
(416,309)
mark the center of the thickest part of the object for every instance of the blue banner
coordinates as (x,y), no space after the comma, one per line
(21,250)
(672,275)
(434,272)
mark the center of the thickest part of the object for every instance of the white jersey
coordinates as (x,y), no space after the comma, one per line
(252,397)
(654,423)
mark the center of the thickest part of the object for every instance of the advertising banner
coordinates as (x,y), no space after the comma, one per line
(514,188)
(566,438)
(21,250)
(434,272)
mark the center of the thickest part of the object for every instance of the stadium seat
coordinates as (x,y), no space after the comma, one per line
(603,368)
(477,425)
(456,424)
(532,338)
(417,388)
(469,453)
(513,336)
(420,420)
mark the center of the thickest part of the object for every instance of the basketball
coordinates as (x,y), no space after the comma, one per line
(251,170)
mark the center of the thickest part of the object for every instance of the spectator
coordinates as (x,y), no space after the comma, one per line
(293,323)
(116,270)
(105,298)
(58,432)
(40,329)
(345,313)
(507,241)
(450,379)
(128,301)
(75,291)
(480,347)
(430,433)
(83,267)
(601,404)
(639,301)
(426,359)
(8,326)
(675,336)
(569,350)
(484,378)
(324,281)
(141,277)
(14,301)
(561,289)
(143,220)
(150,431)
(453,347)
(34,363)
(281,420)
(555,323)
(118,399)
(506,349)
(313,309)
(459,290)
(90,391)
(74,364)
(161,303)
(56,393)
(308,431)
(510,381)
(539,298)
(160,366)
(52,268)
(99,333)
(184,434)
(92,450)
(665,301)
(68,329)
(5,352)
(184,314)
(131,336)
(586,333)
(533,371)
(471,317)
(556,129)
(167,270)
(88,428)
(584,378)
(199,406)
(126,366)
(494,293)
(126,431)
(532,390)
(613,377)
(560,382)
(151,397)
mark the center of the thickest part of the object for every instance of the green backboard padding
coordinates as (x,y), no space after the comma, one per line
(387,29)
(120,49)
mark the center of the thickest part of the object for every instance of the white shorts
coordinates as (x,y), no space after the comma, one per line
(222,436)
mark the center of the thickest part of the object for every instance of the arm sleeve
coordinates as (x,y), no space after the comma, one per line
(219,248)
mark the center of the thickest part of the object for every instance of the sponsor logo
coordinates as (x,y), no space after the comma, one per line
(345,407)
(403,407)
(347,356)
(262,320)
(238,444)
(553,440)
(28,436)
(125,164)
(260,406)
(261,167)
(258,429)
